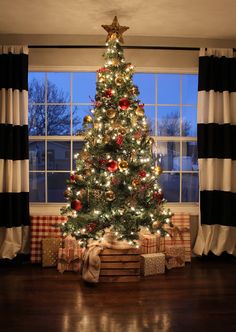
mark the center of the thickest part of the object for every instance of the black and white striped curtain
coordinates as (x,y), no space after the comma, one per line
(217,151)
(14,160)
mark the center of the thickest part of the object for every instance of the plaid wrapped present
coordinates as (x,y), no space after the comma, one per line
(42,227)
(70,255)
(179,235)
(149,243)
(50,249)
(152,264)
(175,257)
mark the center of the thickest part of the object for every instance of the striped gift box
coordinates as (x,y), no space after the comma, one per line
(43,227)
(149,243)
(179,235)
(70,255)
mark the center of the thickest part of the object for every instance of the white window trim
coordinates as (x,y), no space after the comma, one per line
(54,208)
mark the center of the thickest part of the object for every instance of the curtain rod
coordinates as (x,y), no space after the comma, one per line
(134,47)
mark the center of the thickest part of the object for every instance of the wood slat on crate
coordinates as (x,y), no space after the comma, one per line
(131,251)
(119,279)
(120,265)
(120,258)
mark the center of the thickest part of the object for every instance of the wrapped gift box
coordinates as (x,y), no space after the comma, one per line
(174,257)
(70,255)
(179,235)
(149,244)
(152,264)
(43,227)
(50,248)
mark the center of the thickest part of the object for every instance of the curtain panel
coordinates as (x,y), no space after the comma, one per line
(14,156)
(217,151)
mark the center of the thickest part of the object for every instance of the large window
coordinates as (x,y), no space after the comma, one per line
(59,101)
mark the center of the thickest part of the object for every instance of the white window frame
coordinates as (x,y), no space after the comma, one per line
(42,208)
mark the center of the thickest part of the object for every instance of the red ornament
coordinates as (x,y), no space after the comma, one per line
(119,139)
(142,174)
(112,166)
(90,227)
(76,205)
(108,93)
(124,103)
(72,177)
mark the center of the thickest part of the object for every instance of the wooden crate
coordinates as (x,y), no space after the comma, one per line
(120,265)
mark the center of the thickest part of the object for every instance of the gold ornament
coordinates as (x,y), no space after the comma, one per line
(158,170)
(119,80)
(79,177)
(115,62)
(115,29)
(139,111)
(111,113)
(156,224)
(96,125)
(135,182)
(88,119)
(106,139)
(123,165)
(84,155)
(122,130)
(110,196)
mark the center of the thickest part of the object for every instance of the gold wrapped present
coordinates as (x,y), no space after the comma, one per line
(152,264)
(50,249)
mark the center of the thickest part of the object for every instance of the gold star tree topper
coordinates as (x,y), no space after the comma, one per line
(115,30)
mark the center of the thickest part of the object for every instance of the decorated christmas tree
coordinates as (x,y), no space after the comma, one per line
(115,185)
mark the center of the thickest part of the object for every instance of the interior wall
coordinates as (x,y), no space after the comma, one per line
(91,59)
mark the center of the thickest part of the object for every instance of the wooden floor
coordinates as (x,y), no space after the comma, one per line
(199,297)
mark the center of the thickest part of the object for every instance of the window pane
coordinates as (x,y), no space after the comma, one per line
(57,186)
(58,120)
(36,118)
(190,190)
(190,89)
(189,122)
(84,87)
(58,155)
(77,147)
(58,87)
(36,87)
(168,154)
(78,113)
(36,155)
(168,121)
(151,119)
(190,156)
(37,187)
(170,186)
(168,89)
(146,86)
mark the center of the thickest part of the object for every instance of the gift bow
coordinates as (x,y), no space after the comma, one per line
(177,231)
